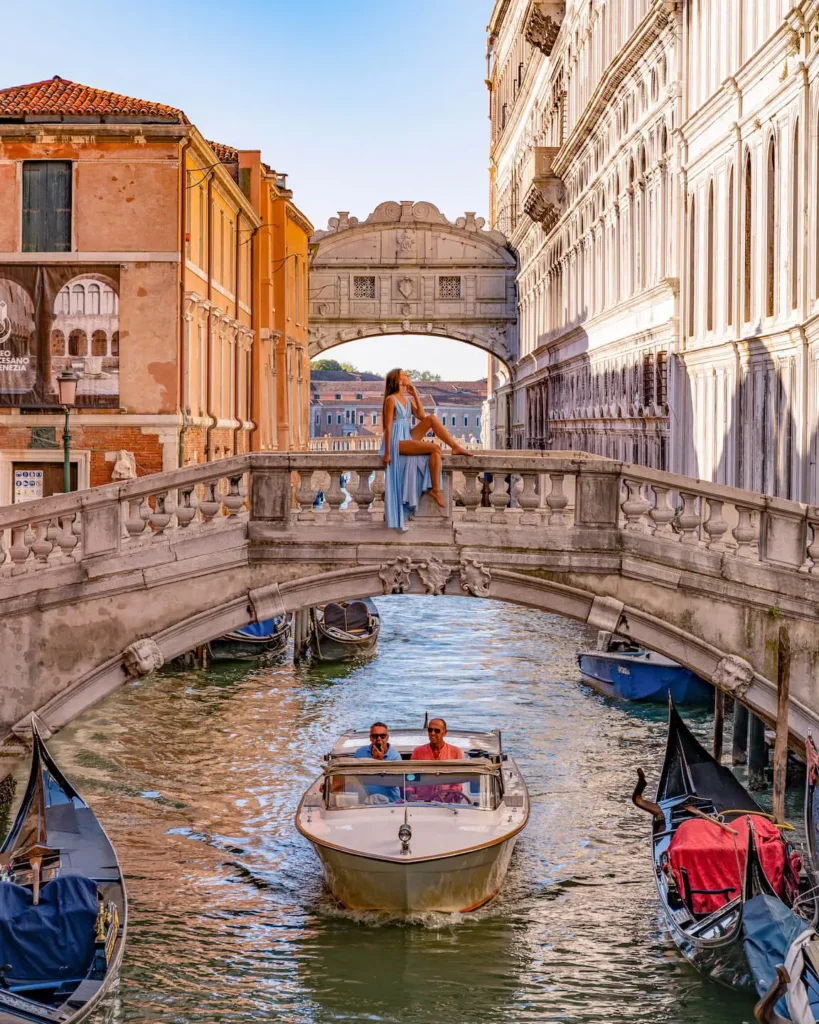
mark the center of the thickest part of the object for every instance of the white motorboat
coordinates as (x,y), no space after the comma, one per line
(414,836)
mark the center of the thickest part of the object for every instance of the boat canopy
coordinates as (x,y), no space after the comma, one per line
(463,783)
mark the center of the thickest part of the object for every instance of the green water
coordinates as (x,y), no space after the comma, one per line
(197,776)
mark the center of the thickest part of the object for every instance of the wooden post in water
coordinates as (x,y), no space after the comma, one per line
(301,631)
(783,686)
(719,722)
(739,747)
(757,755)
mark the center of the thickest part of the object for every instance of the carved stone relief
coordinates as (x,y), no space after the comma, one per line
(395,576)
(475,577)
(142,657)
(434,575)
(733,675)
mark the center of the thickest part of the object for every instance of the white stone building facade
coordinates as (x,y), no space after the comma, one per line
(655,165)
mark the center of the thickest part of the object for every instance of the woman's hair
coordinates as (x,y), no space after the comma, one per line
(391,386)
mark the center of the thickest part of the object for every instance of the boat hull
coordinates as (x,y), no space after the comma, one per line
(724,962)
(629,677)
(460,882)
(226,648)
(327,648)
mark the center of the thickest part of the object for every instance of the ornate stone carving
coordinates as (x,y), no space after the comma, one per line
(406,286)
(475,577)
(543,25)
(395,576)
(124,467)
(434,575)
(406,242)
(142,657)
(733,675)
(538,207)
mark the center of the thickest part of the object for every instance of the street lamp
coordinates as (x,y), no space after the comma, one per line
(67,386)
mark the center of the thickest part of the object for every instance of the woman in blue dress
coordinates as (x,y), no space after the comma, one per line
(412,465)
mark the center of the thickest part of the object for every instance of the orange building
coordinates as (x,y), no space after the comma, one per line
(168,271)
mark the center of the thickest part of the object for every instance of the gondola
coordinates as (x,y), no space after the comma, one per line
(713,849)
(257,640)
(63,904)
(344,631)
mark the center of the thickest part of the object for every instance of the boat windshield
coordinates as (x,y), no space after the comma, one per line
(465,789)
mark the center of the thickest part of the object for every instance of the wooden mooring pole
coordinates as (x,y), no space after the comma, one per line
(783,686)
(757,754)
(719,722)
(739,745)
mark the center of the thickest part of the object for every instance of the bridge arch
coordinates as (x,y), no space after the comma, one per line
(407,269)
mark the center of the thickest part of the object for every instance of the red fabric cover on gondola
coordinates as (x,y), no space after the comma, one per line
(709,855)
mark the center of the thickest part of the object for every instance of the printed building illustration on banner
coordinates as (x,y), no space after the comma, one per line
(53,318)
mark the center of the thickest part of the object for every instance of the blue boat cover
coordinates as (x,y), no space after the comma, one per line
(52,942)
(769,928)
(261,630)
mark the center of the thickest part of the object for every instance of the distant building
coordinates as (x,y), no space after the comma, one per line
(352,407)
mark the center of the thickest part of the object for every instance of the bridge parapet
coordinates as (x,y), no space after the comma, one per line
(533,494)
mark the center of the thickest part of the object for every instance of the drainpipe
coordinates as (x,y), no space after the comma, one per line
(254,343)
(237,353)
(183,223)
(209,346)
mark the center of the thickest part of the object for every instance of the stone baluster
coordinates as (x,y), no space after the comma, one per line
(662,514)
(335,497)
(379,486)
(363,497)
(3,554)
(529,500)
(689,519)
(305,496)
(715,525)
(234,500)
(160,516)
(499,498)
(211,504)
(136,522)
(186,509)
(745,532)
(471,496)
(18,552)
(557,500)
(42,546)
(811,563)
(635,506)
(66,538)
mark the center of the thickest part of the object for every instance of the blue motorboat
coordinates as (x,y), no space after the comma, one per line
(620,668)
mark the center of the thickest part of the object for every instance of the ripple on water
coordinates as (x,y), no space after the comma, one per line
(197,777)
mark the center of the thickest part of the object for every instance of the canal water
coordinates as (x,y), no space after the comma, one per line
(197,775)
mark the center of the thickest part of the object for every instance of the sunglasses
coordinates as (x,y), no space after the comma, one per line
(430,729)
(378,735)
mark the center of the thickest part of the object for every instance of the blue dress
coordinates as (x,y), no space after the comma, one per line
(407,477)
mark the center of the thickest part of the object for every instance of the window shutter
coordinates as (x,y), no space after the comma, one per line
(47,206)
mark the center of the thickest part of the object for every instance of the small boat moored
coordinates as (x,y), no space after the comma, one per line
(344,630)
(63,904)
(714,850)
(415,836)
(253,641)
(620,668)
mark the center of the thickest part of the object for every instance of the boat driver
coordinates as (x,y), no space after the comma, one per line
(437,750)
(379,749)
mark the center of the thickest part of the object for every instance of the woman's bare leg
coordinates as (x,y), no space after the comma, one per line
(431,449)
(434,424)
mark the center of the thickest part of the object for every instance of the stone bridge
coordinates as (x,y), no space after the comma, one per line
(102,585)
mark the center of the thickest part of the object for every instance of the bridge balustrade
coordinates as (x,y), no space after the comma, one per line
(535,493)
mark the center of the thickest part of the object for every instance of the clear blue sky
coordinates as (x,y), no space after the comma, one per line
(359,101)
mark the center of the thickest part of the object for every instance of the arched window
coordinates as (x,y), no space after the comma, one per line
(57,343)
(748,217)
(770,233)
(99,343)
(692,268)
(94,299)
(795,221)
(731,283)
(711,263)
(63,304)
(78,343)
(78,299)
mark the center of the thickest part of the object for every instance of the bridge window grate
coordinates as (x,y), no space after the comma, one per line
(449,287)
(364,287)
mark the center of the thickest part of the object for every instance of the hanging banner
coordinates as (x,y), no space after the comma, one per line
(54,318)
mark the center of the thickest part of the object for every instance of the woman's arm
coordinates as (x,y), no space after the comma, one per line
(415,401)
(389,415)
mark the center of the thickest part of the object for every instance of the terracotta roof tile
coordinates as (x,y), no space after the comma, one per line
(57,98)
(227,154)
